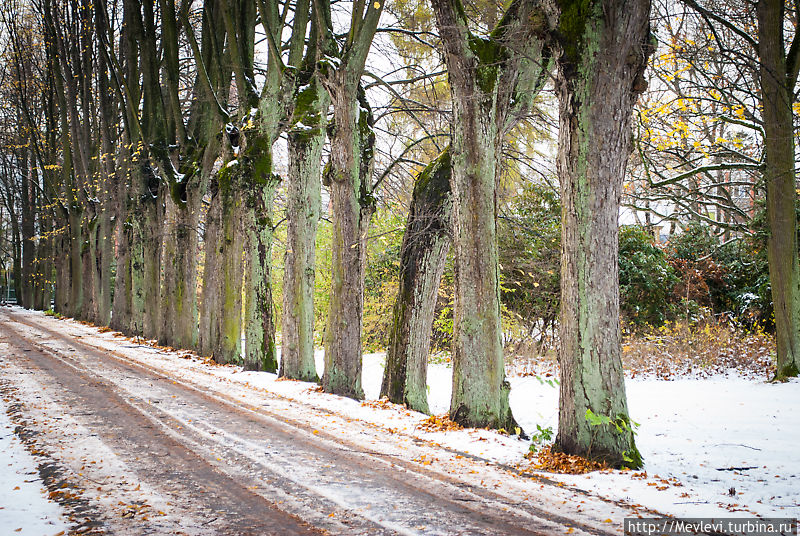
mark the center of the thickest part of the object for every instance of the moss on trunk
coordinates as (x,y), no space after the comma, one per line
(303,203)
(350,174)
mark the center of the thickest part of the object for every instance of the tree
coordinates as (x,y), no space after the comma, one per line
(601,49)
(423,254)
(493,80)
(778,76)
(349,177)
(23,88)
(697,158)
(303,199)
(188,167)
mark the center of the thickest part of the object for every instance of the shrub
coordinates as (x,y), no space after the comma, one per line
(646,278)
(529,240)
(701,279)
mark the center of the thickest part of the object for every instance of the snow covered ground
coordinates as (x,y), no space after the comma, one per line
(24,507)
(724,446)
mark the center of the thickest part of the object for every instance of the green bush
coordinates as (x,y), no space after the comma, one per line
(381,278)
(748,296)
(729,279)
(646,278)
(529,240)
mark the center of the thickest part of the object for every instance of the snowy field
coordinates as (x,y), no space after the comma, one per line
(721,446)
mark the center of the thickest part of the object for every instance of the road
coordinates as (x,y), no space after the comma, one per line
(129,449)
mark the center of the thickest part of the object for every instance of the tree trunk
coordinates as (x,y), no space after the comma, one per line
(303,208)
(493,80)
(208,334)
(45,255)
(260,351)
(170,293)
(480,392)
(75,305)
(89,260)
(28,198)
(599,76)
(227,346)
(109,206)
(259,323)
(184,330)
(423,256)
(784,267)
(146,253)
(137,261)
(179,322)
(121,307)
(62,270)
(122,314)
(16,254)
(105,245)
(350,164)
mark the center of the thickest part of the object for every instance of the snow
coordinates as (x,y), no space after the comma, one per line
(693,433)
(334,61)
(23,504)
(702,438)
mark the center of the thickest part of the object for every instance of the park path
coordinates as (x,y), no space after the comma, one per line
(131,450)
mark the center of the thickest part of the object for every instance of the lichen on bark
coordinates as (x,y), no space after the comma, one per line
(596,93)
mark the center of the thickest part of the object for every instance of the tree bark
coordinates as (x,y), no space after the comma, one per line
(88,252)
(779,176)
(260,350)
(601,56)
(63,273)
(227,346)
(105,247)
(480,392)
(45,255)
(303,198)
(423,255)
(75,305)
(16,244)
(493,80)
(146,257)
(121,307)
(178,296)
(349,176)
(27,228)
(210,298)
(123,292)
(351,163)
(109,206)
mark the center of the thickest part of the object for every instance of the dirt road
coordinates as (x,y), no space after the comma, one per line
(131,450)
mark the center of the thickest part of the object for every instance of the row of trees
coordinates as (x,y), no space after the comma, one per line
(140,143)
